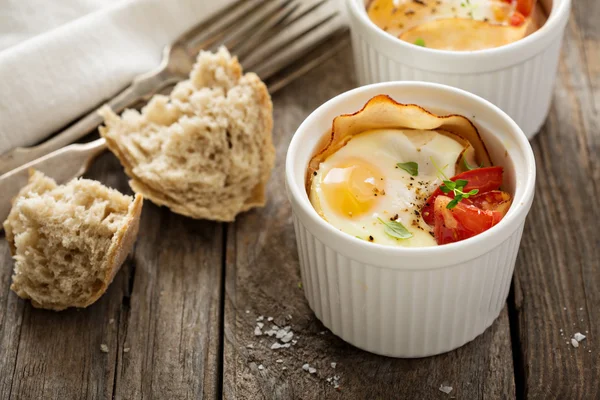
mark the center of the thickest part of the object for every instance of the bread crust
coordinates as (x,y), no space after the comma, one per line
(155,190)
(121,245)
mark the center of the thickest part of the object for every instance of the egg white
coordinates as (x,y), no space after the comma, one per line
(383,149)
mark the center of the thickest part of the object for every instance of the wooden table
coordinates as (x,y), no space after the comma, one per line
(179,317)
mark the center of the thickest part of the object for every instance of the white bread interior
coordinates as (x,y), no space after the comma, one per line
(204,151)
(69,241)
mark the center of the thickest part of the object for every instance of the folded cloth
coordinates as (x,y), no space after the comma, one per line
(59,59)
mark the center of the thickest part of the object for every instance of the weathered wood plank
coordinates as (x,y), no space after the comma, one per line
(173,324)
(262,276)
(160,320)
(557,281)
(58,355)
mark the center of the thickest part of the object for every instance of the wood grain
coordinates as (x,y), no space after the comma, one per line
(262,276)
(557,281)
(176,329)
(160,320)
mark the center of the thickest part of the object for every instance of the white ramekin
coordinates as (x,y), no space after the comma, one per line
(519,78)
(404,302)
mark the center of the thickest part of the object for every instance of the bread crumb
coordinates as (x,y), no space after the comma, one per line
(104,348)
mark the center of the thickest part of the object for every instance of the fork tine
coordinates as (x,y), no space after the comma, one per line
(277,51)
(311,58)
(201,31)
(261,37)
(232,27)
(265,21)
(242,47)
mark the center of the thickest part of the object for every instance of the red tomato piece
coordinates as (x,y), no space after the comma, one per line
(494,200)
(461,222)
(524,7)
(517,19)
(482,179)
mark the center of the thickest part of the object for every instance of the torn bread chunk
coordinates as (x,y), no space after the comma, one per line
(204,151)
(68,241)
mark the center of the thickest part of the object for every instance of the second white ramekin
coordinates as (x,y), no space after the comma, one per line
(410,302)
(519,78)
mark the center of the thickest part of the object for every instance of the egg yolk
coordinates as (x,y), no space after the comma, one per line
(352,188)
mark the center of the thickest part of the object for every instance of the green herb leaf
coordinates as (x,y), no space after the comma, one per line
(454,202)
(461,183)
(420,42)
(411,167)
(445,188)
(395,229)
(473,192)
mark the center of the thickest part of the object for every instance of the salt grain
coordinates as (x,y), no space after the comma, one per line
(247,311)
(287,337)
(270,319)
(257,331)
(104,348)
(260,318)
(279,361)
(445,389)
(250,346)
(260,325)
(574,343)
(126,349)
(333,365)
(306,367)
(312,370)
(261,367)
(579,337)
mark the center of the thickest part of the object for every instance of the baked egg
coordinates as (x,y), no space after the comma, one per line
(386,173)
(459,25)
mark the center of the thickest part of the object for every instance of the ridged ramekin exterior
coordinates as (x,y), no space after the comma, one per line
(405,312)
(523,88)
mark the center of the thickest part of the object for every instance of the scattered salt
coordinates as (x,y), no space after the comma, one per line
(260,318)
(261,367)
(305,367)
(287,337)
(260,325)
(279,361)
(104,348)
(250,346)
(277,345)
(126,349)
(289,316)
(445,389)
(333,365)
(111,321)
(312,370)
(257,331)
(270,319)
(247,311)
(579,337)
(574,343)
(294,342)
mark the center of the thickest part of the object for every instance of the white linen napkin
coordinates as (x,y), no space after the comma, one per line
(59,59)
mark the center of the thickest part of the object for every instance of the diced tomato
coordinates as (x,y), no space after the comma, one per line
(482,179)
(524,7)
(461,222)
(517,19)
(495,200)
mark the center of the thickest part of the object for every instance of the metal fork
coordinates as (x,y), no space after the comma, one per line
(74,160)
(244,27)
